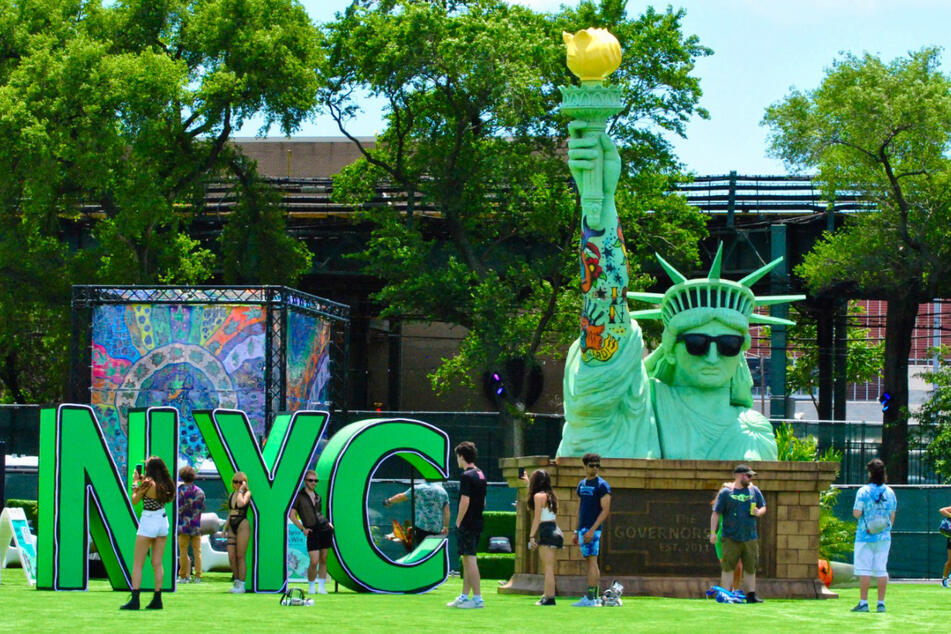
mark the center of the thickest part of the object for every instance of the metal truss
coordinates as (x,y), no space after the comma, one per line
(277,302)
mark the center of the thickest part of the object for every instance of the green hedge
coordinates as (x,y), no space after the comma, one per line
(497,524)
(495,565)
(29,508)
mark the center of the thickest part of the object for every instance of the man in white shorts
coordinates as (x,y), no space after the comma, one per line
(874,509)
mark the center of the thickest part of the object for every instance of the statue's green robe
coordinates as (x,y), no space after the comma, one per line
(614,409)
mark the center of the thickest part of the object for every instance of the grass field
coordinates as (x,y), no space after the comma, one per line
(208,607)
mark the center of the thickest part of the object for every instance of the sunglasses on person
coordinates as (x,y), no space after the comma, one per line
(310,479)
(698,344)
(237,482)
(594,465)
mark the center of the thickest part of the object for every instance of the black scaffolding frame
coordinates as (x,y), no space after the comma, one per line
(277,300)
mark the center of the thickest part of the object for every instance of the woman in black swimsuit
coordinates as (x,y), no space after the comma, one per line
(239,530)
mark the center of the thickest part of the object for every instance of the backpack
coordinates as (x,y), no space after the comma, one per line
(879,523)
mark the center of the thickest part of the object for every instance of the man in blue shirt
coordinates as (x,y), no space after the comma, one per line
(874,508)
(594,494)
(740,505)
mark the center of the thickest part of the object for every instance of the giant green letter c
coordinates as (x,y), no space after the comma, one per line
(346,468)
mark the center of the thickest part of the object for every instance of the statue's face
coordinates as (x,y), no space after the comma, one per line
(710,370)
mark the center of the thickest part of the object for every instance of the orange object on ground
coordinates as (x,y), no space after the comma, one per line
(825,573)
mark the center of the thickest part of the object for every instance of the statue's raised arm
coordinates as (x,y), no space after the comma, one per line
(691,399)
(606,391)
(607,397)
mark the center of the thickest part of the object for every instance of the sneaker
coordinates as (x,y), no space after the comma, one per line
(880,608)
(472,603)
(237,588)
(860,608)
(455,603)
(752,598)
(546,601)
(946,582)
(196,580)
(321,590)
(184,580)
(585,602)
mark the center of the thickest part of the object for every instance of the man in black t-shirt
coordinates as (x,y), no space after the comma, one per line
(472,487)
(306,515)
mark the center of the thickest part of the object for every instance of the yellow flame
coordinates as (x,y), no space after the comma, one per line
(593,54)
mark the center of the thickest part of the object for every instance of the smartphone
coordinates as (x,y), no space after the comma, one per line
(139,468)
(521,472)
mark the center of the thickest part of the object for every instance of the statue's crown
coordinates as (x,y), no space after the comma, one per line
(712,292)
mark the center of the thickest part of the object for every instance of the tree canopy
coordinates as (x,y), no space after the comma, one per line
(473,131)
(114,116)
(882,129)
(863,360)
(935,416)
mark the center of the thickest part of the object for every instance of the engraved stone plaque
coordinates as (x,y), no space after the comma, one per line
(658,532)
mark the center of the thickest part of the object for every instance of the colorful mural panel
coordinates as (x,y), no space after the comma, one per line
(308,362)
(191,357)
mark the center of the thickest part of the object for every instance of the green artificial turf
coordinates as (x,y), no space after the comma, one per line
(209,608)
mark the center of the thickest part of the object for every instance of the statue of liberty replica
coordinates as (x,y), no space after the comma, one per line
(691,398)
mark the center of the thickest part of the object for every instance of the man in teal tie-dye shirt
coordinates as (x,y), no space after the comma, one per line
(874,508)
(432,509)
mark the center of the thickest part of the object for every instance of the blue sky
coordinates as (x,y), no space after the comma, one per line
(761,49)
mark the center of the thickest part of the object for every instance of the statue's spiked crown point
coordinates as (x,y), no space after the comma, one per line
(712,292)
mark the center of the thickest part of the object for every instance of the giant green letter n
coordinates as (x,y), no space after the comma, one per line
(82,494)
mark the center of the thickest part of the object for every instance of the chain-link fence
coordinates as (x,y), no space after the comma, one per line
(858,442)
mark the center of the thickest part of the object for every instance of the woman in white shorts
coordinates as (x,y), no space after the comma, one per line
(155,490)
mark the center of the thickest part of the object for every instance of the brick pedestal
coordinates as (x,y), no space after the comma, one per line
(656,539)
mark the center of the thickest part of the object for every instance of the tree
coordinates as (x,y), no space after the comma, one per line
(882,129)
(863,358)
(472,130)
(125,109)
(935,417)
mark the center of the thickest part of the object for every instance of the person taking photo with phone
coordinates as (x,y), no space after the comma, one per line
(154,488)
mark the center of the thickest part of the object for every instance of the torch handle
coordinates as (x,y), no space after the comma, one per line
(592,187)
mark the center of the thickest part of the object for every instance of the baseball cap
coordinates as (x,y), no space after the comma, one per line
(743,468)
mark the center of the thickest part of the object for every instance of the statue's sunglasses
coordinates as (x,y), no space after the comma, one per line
(698,344)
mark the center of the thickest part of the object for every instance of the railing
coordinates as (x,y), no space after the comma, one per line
(859,442)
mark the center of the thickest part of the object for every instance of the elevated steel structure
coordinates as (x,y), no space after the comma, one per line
(756,217)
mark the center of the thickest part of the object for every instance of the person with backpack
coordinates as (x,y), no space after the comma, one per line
(946,573)
(874,508)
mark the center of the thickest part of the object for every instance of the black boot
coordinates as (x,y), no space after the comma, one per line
(156,603)
(752,598)
(133,603)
